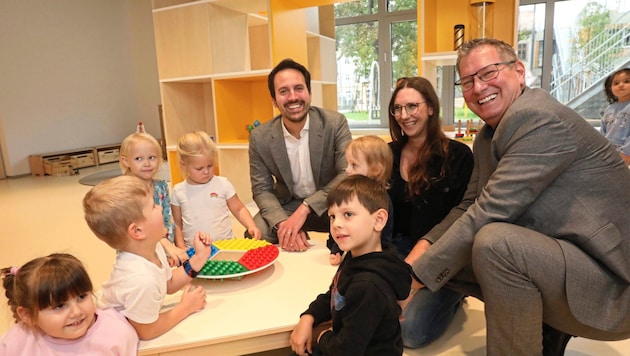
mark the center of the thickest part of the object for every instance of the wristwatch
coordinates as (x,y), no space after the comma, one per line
(189,270)
(306,205)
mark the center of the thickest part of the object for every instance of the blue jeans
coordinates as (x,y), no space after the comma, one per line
(428,314)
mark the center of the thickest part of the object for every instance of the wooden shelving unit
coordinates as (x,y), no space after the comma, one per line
(436,34)
(213,60)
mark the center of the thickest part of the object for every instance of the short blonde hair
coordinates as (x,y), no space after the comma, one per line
(130,141)
(378,156)
(112,205)
(194,144)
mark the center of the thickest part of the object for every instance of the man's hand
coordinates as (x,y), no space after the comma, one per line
(418,250)
(291,237)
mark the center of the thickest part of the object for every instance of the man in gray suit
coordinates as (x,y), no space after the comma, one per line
(542,235)
(294,159)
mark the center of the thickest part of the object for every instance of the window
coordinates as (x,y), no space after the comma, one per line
(376,44)
(575,45)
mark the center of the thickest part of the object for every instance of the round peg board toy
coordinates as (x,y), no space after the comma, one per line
(235,258)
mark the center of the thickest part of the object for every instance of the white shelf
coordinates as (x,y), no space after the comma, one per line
(440,59)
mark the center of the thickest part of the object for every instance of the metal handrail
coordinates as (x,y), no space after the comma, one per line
(595,60)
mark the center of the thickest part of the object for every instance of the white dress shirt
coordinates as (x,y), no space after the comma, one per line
(300,160)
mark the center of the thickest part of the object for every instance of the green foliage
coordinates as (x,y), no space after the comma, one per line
(593,19)
(524,34)
(359,42)
(404,45)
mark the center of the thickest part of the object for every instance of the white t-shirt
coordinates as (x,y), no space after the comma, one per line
(111,334)
(136,287)
(204,208)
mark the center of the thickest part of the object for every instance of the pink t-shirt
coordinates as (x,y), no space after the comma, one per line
(111,334)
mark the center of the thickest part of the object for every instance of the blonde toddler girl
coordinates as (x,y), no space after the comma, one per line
(203,201)
(141,156)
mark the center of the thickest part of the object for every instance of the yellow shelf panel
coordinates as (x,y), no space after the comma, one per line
(239,102)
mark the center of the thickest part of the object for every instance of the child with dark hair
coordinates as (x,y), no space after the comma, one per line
(616,118)
(52,302)
(370,156)
(363,299)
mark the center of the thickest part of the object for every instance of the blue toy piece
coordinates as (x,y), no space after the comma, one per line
(252,126)
(213,251)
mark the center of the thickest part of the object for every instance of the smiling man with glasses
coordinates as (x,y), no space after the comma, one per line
(542,235)
(484,74)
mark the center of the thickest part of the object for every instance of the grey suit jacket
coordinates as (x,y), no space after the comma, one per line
(546,169)
(269,167)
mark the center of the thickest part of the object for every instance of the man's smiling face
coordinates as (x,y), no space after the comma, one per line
(490,100)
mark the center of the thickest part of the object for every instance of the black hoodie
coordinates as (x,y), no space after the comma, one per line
(362,303)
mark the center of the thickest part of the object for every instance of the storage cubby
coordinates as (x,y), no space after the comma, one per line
(213,61)
(188,106)
(240,101)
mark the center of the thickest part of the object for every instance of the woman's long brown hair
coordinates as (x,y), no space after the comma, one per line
(431,164)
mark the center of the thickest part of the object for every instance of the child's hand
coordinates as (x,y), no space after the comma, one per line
(403,303)
(302,336)
(176,255)
(334,259)
(255,233)
(201,243)
(193,299)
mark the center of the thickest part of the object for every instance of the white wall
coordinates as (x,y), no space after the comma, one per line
(74,73)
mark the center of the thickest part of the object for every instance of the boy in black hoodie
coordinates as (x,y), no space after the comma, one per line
(362,301)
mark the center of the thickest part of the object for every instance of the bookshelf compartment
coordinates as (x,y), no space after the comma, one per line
(239,102)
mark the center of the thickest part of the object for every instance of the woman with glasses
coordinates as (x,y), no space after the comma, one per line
(429,177)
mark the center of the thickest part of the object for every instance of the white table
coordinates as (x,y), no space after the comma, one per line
(254,314)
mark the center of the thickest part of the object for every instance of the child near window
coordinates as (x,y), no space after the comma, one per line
(616,119)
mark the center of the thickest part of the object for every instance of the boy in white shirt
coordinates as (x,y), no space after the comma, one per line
(121,212)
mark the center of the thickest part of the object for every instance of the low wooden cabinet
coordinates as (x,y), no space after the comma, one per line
(63,163)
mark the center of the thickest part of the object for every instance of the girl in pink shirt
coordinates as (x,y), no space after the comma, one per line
(53,305)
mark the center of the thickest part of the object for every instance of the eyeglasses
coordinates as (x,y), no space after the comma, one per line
(484,74)
(410,108)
